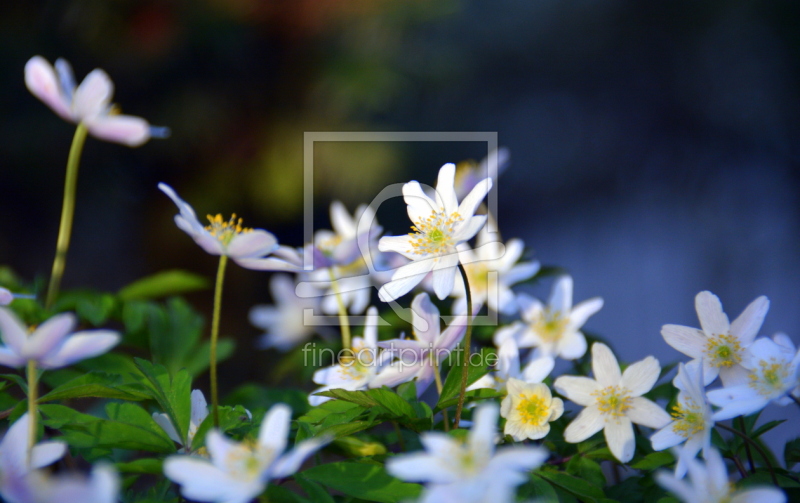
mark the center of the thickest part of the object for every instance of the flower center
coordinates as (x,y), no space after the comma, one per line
(550,325)
(533,409)
(434,235)
(246,462)
(688,418)
(769,378)
(613,400)
(723,350)
(225,230)
(356,364)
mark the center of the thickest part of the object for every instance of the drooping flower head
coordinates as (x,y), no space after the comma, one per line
(613,401)
(88,104)
(440,225)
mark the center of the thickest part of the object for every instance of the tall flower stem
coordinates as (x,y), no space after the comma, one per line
(439,386)
(466,347)
(67,213)
(755,446)
(344,320)
(212,364)
(33,396)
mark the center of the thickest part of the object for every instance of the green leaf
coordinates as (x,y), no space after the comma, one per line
(314,491)
(163,284)
(254,398)
(791,452)
(365,481)
(766,427)
(174,332)
(539,490)
(172,394)
(470,396)
(145,465)
(230,418)
(18,380)
(586,469)
(97,385)
(197,362)
(582,489)
(408,390)
(654,460)
(452,384)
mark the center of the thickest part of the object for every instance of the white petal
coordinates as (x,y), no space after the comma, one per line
(79,346)
(666,438)
(640,377)
(419,205)
(93,95)
(604,365)
(395,374)
(619,437)
(709,309)
(48,335)
(481,436)
(254,244)
(579,389)
(587,423)
(371,328)
(166,425)
(12,331)
(203,481)
(40,78)
(571,346)
(538,369)
(687,340)
(561,296)
(470,203)
(734,375)
(420,467)
(740,407)
(341,221)
(199,407)
(647,413)
(521,272)
(404,279)
(508,359)
(468,228)
(747,324)
(451,336)
(445,192)
(677,487)
(275,428)
(186,211)
(9,358)
(425,318)
(14,447)
(125,129)
(291,462)
(45,453)
(444,275)
(582,311)
(759,495)
(398,244)
(507,332)
(518,458)
(5,296)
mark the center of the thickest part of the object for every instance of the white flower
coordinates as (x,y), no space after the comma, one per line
(284,322)
(470,173)
(710,484)
(102,486)
(440,225)
(508,367)
(720,344)
(692,419)
(198,414)
(416,357)
(471,471)
(247,247)
(773,375)
(89,104)
(14,463)
(51,346)
(613,401)
(529,408)
(238,472)
(491,269)
(357,370)
(553,329)
(6,296)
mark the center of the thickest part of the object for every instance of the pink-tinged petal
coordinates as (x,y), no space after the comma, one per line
(419,205)
(164,422)
(619,437)
(451,336)
(640,377)
(538,369)
(587,423)
(468,228)
(275,428)
(253,244)
(572,345)
(712,318)
(9,358)
(420,467)
(484,427)
(190,224)
(291,462)
(202,481)
(561,296)
(405,278)
(759,495)
(398,244)
(687,340)
(425,319)
(582,311)
(578,389)
(445,192)
(647,413)
(125,129)
(268,264)
(470,203)
(48,336)
(605,365)
(207,242)
(444,275)
(747,324)
(45,453)
(5,296)
(14,447)
(79,346)
(341,221)
(666,438)
(12,330)
(41,80)
(93,95)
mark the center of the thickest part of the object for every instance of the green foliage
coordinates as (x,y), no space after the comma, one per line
(360,480)
(163,284)
(173,393)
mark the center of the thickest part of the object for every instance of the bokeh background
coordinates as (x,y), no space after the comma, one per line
(654,145)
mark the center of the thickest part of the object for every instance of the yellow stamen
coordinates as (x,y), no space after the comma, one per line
(688,419)
(613,400)
(224,230)
(550,325)
(434,234)
(723,350)
(533,409)
(771,378)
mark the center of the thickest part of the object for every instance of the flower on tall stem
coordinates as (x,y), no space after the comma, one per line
(471,471)
(720,345)
(283,323)
(613,401)
(238,472)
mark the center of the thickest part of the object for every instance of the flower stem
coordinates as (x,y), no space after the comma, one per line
(344,320)
(756,447)
(438,379)
(465,346)
(743,429)
(212,364)
(67,213)
(33,388)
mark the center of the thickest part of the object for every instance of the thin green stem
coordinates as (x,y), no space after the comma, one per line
(33,388)
(465,346)
(212,364)
(743,429)
(400,441)
(344,320)
(756,447)
(67,213)
(439,386)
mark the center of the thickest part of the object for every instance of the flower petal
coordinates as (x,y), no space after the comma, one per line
(291,462)
(518,458)
(164,422)
(468,228)
(579,389)
(125,129)
(561,297)
(394,374)
(9,358)
(640,377)
(275,428)
(14,447)
(203,481)
(619,437)
(712,318)
(571,346)
(405,278)
(398,244)
(676,486)
(12,331)
(582,311)
(199,407)
(444,275)
(425,319)
(420,467)
(647,413)
(79,346)
(481,436)
(759,494)
(341,221)
(93,95)
(419,205)
(41,81)
(587,423)
(747,324)
(470,203)
(254,244)
(666,438)
(538,369)
(445,191)
(605,365)
(45,453)
(48,336)
(689,341)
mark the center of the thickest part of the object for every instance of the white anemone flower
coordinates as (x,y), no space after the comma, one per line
(613,401)
(238,472)
(529,408)
(773,375)
(102,486)
(468,472)
(491,270)
(440,225)
(720,345)
(247,247)
(88,104)
(50,345)
(284,322)
(709,483)
(15,465)
(508,367)
(199,412)
(420,357)
(692,419)
(553,329)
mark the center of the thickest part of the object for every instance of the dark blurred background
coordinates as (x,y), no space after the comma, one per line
(654,144)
